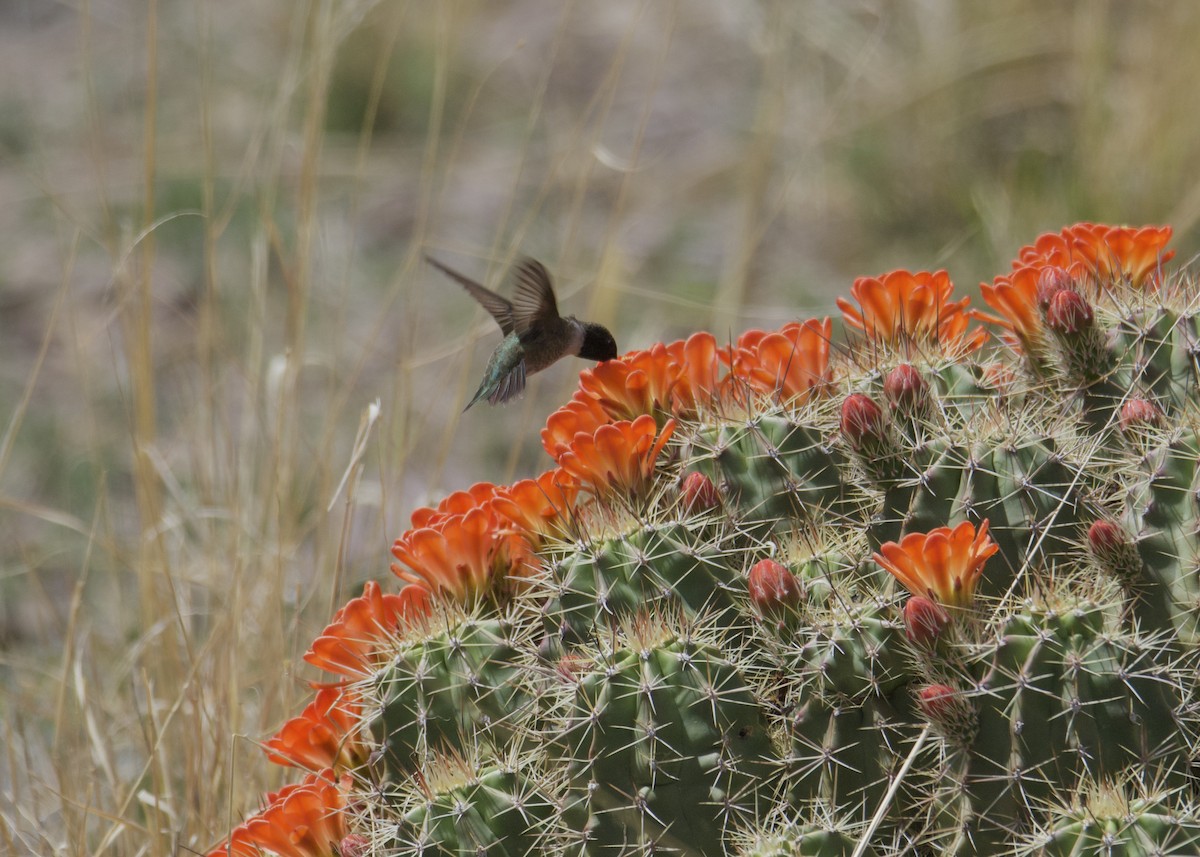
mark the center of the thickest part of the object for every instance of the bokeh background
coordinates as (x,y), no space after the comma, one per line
(211,230)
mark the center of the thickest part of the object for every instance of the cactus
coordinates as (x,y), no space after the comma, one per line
(917,593)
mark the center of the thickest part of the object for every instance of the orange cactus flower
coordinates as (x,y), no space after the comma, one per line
(697,380)
(942,564)
(903,307)
(350,644)
(458,503)
(583,413)
(1083,253)
(617,457)
(239,844)
(635,384)
(790,363)
(538,507)
(1108,253)
(307,819)
(323,736)
(1015,297)
(462,557)
(677,378)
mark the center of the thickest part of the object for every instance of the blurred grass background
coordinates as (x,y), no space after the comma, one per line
(210,267)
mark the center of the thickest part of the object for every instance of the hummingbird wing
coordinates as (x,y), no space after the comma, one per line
(500,309)
(533,306)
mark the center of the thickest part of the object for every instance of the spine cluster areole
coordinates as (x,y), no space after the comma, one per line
(928,588)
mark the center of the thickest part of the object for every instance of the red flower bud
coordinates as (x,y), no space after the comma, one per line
(861,419)
(924,620)
(1106,537)
(698,493)
(904,386)
(354,845)
(1116,553)
(950,712)
(1139,412)
(1069,312)
(939,702)
(773,588)
(1051,281)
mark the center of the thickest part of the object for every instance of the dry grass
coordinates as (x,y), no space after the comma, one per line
(210,268)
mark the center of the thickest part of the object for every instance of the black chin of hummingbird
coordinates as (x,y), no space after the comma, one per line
(598,343)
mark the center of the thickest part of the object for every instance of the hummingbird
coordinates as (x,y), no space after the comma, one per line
(535,335)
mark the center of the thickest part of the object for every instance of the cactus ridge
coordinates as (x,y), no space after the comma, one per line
(909,593)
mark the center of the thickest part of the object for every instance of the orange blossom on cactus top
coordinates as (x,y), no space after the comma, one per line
(902,307)
(461,557)
(943,564)
(697,367)
(302,820)
(583,413)
(350,643)
(1014,296)
(617,457)
(323,736)
(458,503)
(1107,253)
(792,362)
(1079,254)
(538,507)
(676,378)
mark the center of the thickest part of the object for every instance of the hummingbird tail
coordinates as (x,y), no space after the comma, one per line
(510,386)
(482,393)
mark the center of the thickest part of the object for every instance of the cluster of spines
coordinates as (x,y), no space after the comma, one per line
(717,506)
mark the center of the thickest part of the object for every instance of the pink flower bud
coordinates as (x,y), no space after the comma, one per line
(1138,412)
(1069,312)
(698,493)
(924,620)
(1051,281)
(861,419)
(773,589)
(904,387)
